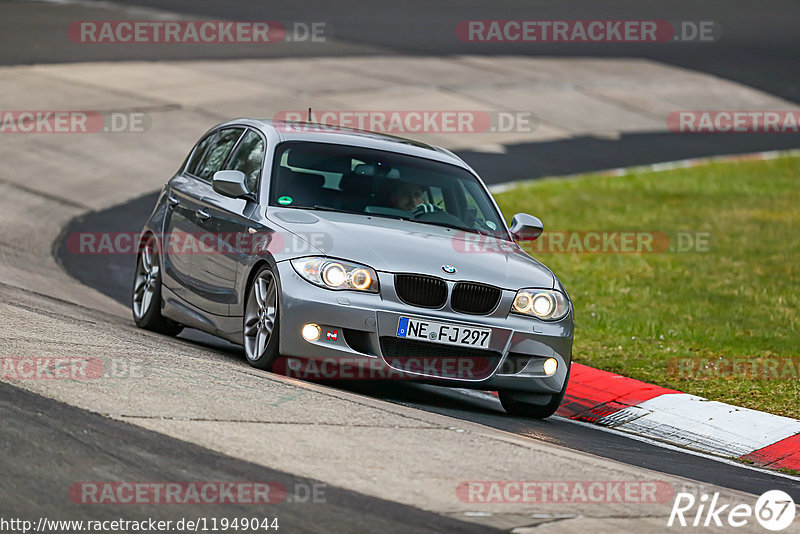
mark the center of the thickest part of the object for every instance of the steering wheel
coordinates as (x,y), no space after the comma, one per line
(436,215)
(425,207)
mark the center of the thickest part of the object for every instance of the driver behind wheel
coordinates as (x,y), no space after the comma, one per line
(410,197)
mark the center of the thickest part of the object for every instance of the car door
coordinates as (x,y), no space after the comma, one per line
(231,221)
(187,230)
(180,225)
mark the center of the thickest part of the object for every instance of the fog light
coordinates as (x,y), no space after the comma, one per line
(311,332)
(550,366)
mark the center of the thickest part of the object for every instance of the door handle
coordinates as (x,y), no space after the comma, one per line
(173,201)
(202,215)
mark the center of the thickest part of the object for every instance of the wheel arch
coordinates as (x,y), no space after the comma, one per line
(252,270)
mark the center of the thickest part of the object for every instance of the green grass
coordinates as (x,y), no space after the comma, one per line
(636,314)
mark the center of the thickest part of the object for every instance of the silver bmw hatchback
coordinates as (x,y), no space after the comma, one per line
(331,253)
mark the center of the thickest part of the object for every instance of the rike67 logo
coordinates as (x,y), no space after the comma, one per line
(774,510)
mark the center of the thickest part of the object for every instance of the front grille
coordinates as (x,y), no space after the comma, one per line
(477,299)
(435,359)
(423,291)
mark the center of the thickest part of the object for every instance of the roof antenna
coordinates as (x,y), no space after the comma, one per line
(309,114)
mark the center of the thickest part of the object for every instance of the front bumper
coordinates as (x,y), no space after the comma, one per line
(358,330)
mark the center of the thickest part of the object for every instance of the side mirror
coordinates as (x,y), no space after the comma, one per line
(229,183)
(526,227)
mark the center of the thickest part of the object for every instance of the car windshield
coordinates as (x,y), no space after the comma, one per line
(349,179)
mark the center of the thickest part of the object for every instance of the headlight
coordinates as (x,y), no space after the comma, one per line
(541,303)
(337,274)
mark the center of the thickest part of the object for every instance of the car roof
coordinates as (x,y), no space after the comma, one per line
(324,133)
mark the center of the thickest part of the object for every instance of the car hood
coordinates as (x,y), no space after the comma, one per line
(393,245)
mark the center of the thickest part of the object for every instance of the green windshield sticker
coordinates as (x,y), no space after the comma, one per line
(283,201)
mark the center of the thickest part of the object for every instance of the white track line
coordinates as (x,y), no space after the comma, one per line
(487,396)
(698,423)
(676,448)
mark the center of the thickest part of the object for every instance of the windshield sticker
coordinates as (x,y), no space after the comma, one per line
(285,201)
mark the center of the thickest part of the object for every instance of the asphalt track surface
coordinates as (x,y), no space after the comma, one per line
(759,44)
(758,47)
(117,280)
(63,444)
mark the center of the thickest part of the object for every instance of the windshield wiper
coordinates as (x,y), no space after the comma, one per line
(449,225)
(320,207)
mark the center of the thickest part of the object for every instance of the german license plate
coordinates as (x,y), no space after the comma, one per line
(445,333)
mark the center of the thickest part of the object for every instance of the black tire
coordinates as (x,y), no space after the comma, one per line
(253,320)
(513,404)
(149,317)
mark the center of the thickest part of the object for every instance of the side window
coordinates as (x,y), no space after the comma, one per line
(248,158)
(217,153)
(198,153)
